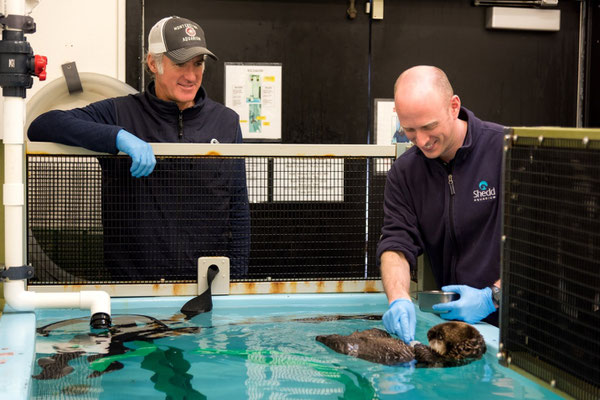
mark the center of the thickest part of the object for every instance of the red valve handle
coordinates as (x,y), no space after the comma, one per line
(39,70)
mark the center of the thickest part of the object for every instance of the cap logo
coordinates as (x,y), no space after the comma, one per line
(190,31)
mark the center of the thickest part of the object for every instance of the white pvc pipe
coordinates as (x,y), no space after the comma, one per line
(20,299)
(16,7)
(15,293)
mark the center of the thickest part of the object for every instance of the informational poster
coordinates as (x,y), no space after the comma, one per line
(253,90)
(387,124)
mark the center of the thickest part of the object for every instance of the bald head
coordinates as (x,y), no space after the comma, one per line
(428,110)
(423,80)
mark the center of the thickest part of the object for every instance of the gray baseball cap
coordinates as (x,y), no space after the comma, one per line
(179,39)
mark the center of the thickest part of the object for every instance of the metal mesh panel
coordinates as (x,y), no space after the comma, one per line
(306,218)
(550,323)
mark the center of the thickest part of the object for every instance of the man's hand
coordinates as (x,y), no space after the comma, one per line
(141,153)
(400,319)
(472,306)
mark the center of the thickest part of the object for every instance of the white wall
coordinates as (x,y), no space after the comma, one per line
(89,32)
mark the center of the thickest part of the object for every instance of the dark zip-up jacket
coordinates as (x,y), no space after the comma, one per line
(451,212)
(156,227)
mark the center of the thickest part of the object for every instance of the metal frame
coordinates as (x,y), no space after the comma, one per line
(555,133)
(239,150)
(534,364)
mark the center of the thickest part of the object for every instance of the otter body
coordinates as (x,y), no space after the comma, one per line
(372,345)
(450,344)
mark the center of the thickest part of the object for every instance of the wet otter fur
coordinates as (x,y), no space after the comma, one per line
(450,344)
(372,345)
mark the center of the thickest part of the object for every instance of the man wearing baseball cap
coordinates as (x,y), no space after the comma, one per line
(174,108)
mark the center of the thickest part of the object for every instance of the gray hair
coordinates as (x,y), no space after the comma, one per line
(158,59)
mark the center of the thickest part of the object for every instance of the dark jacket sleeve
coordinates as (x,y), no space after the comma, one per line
(240,216)
(400,230)
(92,127)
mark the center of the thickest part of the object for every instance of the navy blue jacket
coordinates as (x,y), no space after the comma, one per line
(460,233)
(205,213)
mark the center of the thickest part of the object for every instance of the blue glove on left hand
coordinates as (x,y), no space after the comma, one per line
(473,305)
(400,319)
(142,156)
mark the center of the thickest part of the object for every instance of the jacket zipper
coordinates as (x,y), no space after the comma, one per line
(451,184)
(452,232)
(180,125)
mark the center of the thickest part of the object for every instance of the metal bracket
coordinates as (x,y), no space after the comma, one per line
(72,77)
(220,285)
(351,11)
(17,273)
(22,22)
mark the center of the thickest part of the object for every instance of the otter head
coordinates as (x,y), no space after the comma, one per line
(457,340)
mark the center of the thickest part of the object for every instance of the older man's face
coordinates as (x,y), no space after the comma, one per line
(179,82)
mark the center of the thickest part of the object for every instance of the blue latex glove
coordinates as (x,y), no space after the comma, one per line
(473,305)
(400,319)
(142,156)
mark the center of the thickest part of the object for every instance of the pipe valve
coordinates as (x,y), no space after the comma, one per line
(17,61)
(39,67)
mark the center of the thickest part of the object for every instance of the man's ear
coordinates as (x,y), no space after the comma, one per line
(151,64)
(455,105)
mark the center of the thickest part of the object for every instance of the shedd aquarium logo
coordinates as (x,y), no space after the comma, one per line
(485,192)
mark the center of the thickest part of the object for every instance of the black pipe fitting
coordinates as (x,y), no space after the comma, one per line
(17,61)
(100,320)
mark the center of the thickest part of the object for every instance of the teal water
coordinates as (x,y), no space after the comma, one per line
(256,351)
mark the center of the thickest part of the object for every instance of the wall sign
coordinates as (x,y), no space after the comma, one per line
(253,90)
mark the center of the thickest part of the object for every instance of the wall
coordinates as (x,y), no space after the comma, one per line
(335,67)
(592,81)
(511,77)
(89,32)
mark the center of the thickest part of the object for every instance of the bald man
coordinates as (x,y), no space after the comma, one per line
(442,198)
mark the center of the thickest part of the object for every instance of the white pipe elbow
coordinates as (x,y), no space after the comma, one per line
(17,297)
(96,301)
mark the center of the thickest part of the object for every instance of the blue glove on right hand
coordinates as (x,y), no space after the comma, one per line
(472,306)
(141,153)
(400,319)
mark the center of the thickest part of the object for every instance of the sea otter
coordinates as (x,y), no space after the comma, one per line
(450,344)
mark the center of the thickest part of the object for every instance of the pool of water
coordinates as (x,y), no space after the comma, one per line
(248,347)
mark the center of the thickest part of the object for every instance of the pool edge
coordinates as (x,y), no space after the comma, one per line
(17,354)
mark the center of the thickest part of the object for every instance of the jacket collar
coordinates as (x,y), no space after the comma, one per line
(473,129)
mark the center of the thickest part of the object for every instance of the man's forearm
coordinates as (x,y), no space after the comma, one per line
(395,275)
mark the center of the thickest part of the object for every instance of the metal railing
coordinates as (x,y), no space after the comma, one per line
(306,218)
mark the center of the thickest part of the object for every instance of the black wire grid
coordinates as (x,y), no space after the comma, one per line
(550,320)
(276,218)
